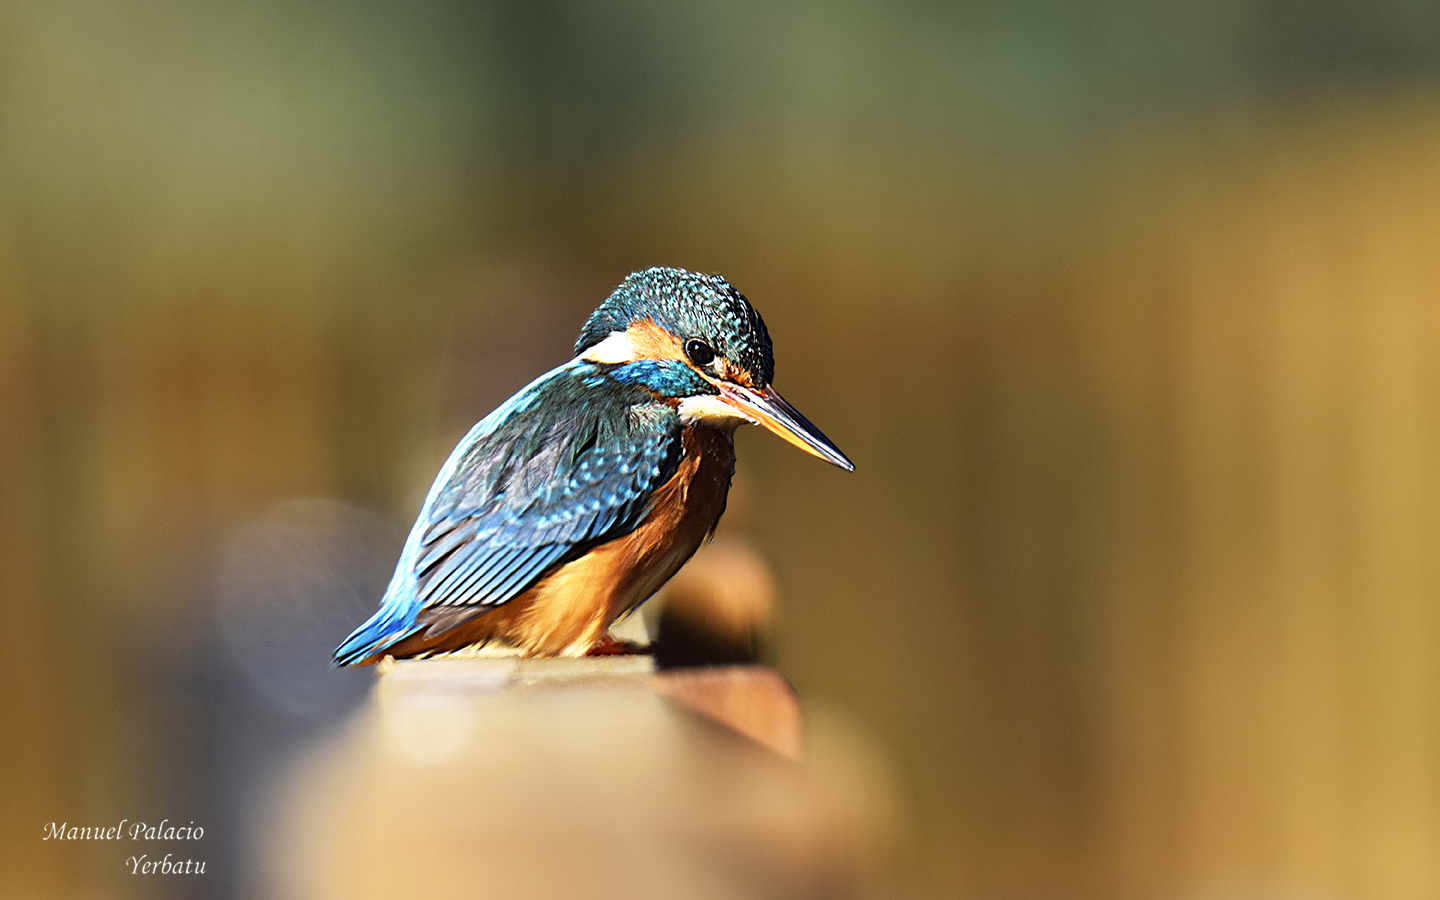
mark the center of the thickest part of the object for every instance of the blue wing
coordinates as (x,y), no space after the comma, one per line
(567,464)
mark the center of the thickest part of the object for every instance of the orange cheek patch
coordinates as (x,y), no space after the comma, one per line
(650,341)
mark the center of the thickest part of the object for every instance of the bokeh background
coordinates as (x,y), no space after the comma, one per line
(1127,313)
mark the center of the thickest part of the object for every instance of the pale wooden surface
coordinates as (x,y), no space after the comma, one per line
(752,700)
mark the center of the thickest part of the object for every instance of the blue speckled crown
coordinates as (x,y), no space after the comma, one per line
(688,305)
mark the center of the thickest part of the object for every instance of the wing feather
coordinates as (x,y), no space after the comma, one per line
(444,545)
(566,478)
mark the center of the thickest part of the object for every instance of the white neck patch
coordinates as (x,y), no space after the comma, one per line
(618,347)
(711,410)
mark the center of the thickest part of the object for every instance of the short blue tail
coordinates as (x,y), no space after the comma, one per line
(390,623)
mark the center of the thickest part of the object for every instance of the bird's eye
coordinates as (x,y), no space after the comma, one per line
(699,352)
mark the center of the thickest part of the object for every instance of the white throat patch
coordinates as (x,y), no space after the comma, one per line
(711,410)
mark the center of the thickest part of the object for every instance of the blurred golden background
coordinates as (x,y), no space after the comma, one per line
(1127,314)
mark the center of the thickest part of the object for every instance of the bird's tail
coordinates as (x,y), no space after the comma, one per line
(390,623)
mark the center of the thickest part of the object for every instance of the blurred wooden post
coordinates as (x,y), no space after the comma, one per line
(555,778)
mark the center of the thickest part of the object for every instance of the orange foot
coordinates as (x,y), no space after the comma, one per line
(611,646)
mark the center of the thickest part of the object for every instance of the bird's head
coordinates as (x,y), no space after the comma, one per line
(698,340)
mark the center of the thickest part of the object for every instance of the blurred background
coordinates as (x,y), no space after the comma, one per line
(1126,312)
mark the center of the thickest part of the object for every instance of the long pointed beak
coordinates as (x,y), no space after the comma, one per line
(767,408)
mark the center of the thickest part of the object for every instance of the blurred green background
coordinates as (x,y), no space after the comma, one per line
(1126,312)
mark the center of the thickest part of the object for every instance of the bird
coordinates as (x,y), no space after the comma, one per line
(577,498)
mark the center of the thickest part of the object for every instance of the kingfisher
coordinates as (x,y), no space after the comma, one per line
(577,498)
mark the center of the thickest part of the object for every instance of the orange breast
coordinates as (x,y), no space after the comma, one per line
(575,605)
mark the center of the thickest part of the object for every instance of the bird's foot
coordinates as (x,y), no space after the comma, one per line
(613,646)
